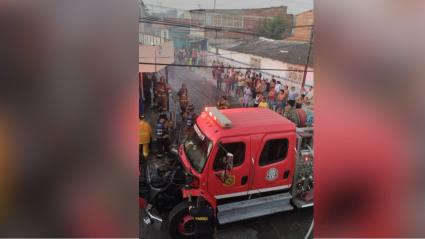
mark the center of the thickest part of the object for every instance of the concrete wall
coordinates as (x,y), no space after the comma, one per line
(161,54)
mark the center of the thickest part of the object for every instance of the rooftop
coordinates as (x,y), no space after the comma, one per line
(292,52)
(305,12)
(234,11)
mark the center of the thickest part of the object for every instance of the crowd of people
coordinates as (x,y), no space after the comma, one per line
(191,56)
(255,90)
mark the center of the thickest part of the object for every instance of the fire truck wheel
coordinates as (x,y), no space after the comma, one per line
(180,223)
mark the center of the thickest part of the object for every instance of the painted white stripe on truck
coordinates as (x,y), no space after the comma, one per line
(262,190)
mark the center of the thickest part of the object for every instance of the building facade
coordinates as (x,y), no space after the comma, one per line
(283,60)
(156,50)
(242,23)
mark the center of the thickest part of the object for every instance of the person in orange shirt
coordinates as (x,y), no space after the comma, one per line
(145,134)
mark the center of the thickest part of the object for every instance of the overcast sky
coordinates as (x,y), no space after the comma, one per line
(294,6)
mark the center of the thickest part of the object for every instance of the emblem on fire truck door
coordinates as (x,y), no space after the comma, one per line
(227,180)
(272,174)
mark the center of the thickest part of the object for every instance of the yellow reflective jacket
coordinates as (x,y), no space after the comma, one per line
(145,132)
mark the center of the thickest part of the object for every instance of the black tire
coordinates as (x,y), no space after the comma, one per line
(174,218)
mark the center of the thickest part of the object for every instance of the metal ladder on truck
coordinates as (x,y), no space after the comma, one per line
(302,191)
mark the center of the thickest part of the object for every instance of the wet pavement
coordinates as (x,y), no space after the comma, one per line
(292,224)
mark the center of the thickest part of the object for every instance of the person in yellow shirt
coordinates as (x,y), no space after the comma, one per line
(263,103)
(145,134)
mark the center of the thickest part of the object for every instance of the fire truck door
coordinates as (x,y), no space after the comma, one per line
(224,183)
(273,160)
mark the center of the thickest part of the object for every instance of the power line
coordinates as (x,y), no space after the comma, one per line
(207,55)
(221,29)
(205,66)
(160,6)
(206,28)
(286,2)
(154,19)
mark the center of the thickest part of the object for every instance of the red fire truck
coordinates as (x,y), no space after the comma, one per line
(245,162)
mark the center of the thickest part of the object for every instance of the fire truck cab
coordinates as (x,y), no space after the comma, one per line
(246,163)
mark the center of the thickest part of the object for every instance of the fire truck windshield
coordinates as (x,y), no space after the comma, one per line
(197,148)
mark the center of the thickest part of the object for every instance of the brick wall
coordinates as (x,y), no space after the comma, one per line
(303,33)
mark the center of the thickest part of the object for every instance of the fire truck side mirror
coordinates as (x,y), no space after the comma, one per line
(229,161)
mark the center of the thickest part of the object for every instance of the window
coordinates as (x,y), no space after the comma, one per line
(291,73)
(217,20)
(296,74)
(209,20)
(227,21)
(238,22)
(274,150)
(238,151)
(300,77)
(255,62)
(197,148)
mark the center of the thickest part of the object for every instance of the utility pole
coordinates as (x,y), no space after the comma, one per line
(308,59)
(215,39)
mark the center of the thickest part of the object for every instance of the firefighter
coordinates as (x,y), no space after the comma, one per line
(155,92)
(159,132)
(162,93)
(203,217)
(223,103)
(168,133)
(145,134)
(164,128)
(190,116)
(183,98)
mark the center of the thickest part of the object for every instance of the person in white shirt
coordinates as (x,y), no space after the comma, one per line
(293,95)
(278,87)
(310,93)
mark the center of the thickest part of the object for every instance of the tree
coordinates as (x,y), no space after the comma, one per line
(273,28)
